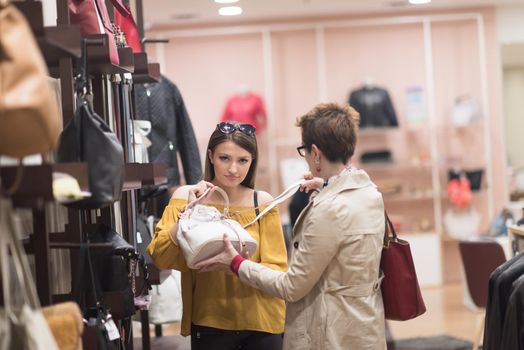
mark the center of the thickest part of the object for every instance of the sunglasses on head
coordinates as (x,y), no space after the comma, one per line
(229,128)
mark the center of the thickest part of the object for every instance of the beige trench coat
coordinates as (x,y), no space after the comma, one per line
(332,285)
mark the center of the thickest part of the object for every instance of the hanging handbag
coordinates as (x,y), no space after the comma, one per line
(28,111)
(201,228)
(92,18)
(400,289)
(87,138)
(22,326)
(100,331)
(128,26)
(115,267)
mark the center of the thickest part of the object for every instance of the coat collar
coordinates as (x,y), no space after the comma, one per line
(355,179)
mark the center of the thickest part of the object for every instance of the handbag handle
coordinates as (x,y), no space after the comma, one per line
(288,192)
(120,7)
(391,229)
(204,195)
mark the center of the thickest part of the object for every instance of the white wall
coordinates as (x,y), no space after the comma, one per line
(510,24)
(514,114)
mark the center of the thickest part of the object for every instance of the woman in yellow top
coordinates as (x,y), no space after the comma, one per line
(218,310)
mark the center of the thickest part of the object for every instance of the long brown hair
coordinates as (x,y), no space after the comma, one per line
(247,142)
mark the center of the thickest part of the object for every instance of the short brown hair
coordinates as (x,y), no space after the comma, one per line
(247,142)
(333,128)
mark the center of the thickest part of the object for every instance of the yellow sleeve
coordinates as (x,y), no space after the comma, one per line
(165,253)
(273,253)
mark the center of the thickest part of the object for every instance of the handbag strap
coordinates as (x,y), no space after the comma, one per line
(10,243)
(288,192)
(204,195)
(120,7)
(390,234)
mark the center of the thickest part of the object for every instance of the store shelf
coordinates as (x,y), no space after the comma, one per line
(100,61)
(407,197)
(373,131)
(394,166)
(139,175)
(145,72)
(36,184)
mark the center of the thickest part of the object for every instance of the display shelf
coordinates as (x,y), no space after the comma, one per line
(371,131)
(475,194)
(400,166)
(99,58)
(139,175)
(407,197)
(145,72)
(36,183)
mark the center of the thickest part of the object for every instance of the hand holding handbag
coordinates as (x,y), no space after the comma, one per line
(400,289)
(201,228)
(28,110)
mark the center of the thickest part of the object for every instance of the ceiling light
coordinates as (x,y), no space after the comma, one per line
(230,11)
(225,1)
(419,2)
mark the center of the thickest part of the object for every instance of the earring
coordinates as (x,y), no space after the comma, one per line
(317,162)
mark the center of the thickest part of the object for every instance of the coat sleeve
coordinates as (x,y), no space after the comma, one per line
(186,141)
(166,254)
(319,243)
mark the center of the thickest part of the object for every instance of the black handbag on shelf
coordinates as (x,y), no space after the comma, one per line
(87,138)
(100,331)
(116,267)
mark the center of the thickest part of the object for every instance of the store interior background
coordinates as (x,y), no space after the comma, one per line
(297,53)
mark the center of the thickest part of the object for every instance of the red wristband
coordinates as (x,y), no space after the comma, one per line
(235,263)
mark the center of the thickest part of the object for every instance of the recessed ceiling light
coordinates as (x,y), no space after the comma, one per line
(225,1)
(230,11)
(419,2)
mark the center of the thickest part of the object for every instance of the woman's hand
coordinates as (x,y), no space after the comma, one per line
(198,190)
(311,183)
(220,262)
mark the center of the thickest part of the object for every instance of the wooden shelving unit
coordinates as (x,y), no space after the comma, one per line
(61,46)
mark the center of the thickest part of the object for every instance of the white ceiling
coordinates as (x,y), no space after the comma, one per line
(183,12)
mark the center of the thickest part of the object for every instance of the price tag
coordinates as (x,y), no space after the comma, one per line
(112,331)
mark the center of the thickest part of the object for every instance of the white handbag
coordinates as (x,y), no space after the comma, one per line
(201,228)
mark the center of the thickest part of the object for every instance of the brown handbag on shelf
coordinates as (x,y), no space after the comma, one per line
(29,115)
(66,324)
(400,289)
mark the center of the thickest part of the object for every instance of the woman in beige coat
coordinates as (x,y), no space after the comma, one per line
(332,286)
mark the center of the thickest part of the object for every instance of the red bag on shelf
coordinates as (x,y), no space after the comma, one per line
(400,290)
(128,26)
(92,18)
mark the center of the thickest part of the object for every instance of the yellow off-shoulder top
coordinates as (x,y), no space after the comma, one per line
(218,299)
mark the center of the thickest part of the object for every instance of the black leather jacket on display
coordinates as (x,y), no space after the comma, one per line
(500,289)
(513,332)
(171,130)
(374,106)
